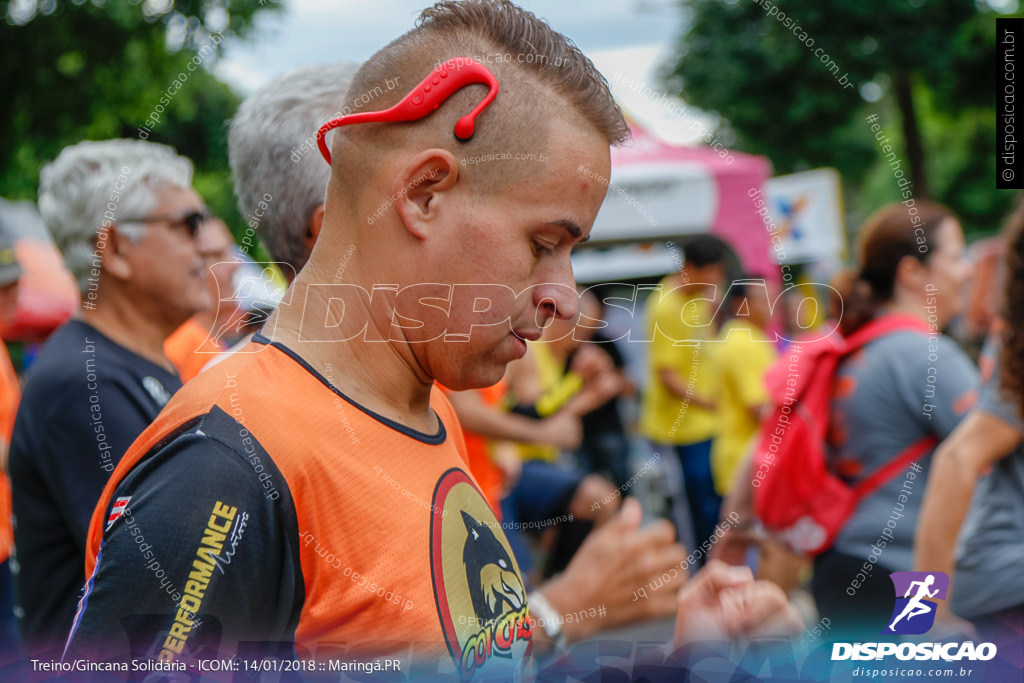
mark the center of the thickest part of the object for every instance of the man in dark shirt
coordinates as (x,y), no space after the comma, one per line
(130,228)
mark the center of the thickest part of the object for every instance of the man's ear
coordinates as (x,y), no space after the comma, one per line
(115,253)
(421,187)
(316,221)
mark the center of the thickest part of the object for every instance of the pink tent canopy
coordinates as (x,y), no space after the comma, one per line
(659,192)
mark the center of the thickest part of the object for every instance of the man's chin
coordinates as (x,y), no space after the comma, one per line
(186,310)
(481,376)
(201,303)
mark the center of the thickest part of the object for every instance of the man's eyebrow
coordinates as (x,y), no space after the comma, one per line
(571,228)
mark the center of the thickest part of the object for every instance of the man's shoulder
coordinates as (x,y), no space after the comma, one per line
(170,492)
(209,450)
(61,358)
(292,409)
(76,356)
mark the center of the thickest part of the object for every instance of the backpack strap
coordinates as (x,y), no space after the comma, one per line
(886,324)
(869,485)
(879,327)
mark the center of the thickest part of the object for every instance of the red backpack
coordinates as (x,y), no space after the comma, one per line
(798,500)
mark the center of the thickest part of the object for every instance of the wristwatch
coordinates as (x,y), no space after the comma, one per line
(548,617)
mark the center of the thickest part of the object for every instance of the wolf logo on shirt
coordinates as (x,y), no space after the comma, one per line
(481,599)
(493,583)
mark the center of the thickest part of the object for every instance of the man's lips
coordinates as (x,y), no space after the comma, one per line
(528,335)
(520,337)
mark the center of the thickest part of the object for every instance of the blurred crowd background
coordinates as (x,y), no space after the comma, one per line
(787,131)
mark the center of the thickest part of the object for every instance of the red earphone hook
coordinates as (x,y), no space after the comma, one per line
(438,86)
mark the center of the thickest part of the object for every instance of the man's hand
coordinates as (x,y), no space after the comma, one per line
(726,603)
(616,560)
(732,547)
(506,456)
(563,429)
(596,391)
(591,360)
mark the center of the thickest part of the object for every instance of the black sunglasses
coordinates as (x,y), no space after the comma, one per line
(193,220)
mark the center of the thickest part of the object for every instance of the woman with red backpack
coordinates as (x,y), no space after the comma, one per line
(972,518)
(839,468)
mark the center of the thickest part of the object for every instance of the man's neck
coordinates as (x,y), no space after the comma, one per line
(129,327)
(381,376)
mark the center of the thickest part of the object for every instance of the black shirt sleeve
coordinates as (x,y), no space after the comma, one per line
(201,557)
(77,482)
(69,435)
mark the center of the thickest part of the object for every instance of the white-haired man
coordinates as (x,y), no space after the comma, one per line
(130,227)
(279,177)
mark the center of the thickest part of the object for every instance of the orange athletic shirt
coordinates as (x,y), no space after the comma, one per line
(190,348)
(478,449)
(372,499)
(10,396)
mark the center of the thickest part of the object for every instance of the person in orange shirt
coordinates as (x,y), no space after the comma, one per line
(10,395)
(310,494)
(195,343)
(284,206)
(313,456)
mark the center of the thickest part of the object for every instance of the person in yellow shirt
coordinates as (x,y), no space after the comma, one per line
(742,356)
(678,410)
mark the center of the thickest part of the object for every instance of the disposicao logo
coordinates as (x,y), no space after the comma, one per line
(916,595)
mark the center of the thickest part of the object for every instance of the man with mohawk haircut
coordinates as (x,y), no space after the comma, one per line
(311,496)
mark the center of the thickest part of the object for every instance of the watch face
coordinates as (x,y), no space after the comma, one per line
(548,619)
(481,599)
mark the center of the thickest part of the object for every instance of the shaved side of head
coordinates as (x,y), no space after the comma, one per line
(541,75)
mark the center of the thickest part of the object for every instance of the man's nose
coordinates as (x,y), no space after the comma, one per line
(557,297)
(206,242)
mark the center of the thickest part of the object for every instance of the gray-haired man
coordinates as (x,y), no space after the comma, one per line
(130,227)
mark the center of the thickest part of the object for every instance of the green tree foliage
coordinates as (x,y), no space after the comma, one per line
(95,69)
(925,67)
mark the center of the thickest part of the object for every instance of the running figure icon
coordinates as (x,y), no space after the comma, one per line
(915,606)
